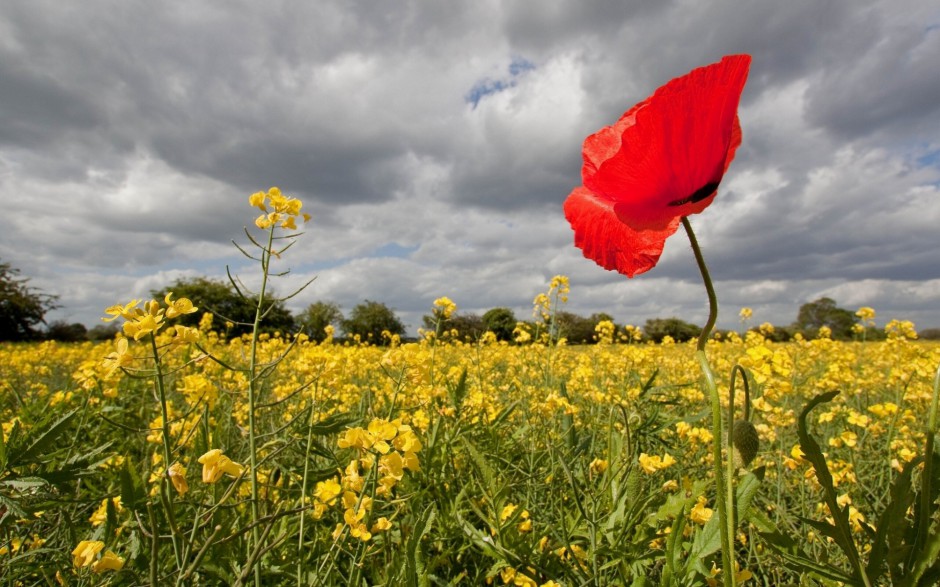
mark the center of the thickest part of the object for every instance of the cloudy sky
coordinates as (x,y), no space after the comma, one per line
(435,142)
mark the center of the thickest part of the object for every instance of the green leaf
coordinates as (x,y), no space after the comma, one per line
(748,486)
(24,483)
(3,453)
(11,507)
(40,445)
(415,569)
(333,424)
(841,532)
(893,523)
(133,493)
(925,559)
(483,468)
(458,392)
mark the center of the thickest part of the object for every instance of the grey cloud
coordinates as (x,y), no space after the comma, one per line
(361,110)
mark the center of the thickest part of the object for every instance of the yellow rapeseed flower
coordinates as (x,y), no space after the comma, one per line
(215,464)
(700,513)
(108,562)
(177,474)
(651,464)
(86,551)
(178,307)
(101,514)
(119,311)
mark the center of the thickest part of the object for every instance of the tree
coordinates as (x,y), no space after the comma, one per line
(824,312)
(221,299)
(64,332)
(501,322)
(369,320)
(657,329)
(469,327)
(22,308)
(578,329)
(101,332)
(318,316)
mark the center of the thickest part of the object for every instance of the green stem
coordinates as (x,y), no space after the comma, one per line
(926,510)
(167,451)
(252,401)
(722,498)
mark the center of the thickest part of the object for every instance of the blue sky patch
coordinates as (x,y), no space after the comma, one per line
(517,67)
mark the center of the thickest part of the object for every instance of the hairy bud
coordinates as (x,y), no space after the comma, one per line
(746,442)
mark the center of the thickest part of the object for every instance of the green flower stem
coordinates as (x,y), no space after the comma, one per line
(925,491)
(722,498)
(167,450)
(252,401)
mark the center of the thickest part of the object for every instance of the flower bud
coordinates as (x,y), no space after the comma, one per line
(746,442)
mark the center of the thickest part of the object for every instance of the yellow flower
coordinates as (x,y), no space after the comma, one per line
(178,307)
(185,334)
(119,358)
(108,562)
(407,441)
(651,464)
(507,512)
(264,221)
(356,438)
(392,465)
(86,551)
(101,514)
(745,314)
(143,326)
(357,529)
(177,474)
(215,464)
(866,315)
(445,307)
(381,525)
(257,200)
(700,513)
(121,311)
(327,491)
(598,466)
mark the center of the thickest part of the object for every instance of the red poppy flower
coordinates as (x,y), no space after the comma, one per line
(661,161)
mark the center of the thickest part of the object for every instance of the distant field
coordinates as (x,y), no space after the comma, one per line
(474,463)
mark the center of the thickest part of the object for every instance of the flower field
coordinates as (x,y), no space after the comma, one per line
(450,463)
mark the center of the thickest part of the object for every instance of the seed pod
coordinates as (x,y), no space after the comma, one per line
(746,442)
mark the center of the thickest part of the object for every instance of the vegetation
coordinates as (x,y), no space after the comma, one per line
(320,319)
(529,463)
(373,322)
(22,307)
(234,308)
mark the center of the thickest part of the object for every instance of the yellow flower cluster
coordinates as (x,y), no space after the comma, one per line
(652,464)
(444,307)
(390,443)
(215,464)
(279,210)
(86,554)
(139,322)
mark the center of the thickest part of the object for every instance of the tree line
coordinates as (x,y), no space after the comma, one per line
(23,309)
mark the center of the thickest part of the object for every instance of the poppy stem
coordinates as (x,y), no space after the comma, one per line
(709,288)
(724,496)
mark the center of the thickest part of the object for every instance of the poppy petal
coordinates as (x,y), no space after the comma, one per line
(610,243)
(665,157)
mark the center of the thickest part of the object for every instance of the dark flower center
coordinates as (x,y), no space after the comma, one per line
(700,194)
